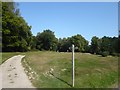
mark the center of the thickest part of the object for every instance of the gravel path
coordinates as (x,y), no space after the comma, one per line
(12,74)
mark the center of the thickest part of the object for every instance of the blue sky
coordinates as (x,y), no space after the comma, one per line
(67,19)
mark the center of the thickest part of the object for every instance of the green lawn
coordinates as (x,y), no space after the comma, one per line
(91,71)
(5,55)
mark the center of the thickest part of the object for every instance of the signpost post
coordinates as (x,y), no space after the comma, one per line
(73,65)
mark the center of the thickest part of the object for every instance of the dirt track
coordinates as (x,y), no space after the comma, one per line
(12,74)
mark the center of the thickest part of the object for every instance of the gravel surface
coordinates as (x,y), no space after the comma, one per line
(12,74)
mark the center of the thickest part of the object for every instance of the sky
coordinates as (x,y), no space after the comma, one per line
(66,19)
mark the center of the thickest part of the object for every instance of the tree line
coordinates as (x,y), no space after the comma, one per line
(103,46)
(17,36)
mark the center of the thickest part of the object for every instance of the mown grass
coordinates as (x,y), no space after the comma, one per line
(6,55)
(91,71)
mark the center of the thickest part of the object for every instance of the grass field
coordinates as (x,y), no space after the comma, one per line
(54,69)
(5,55)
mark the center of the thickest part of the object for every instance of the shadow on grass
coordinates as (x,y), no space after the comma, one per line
(61,80)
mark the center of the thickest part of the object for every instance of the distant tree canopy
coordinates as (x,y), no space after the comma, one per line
(16,34)
(79,42)
(104,44)
(46,40)
(95,45)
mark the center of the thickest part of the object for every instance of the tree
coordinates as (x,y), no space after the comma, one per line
(109,44)
(64,44)
(46,40)
(15,31)
(95,45)
(33,43)
(80,42)
(77,40)
(104,45)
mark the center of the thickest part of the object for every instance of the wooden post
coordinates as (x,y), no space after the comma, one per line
(72,65)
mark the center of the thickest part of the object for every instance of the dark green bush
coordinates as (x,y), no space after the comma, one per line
(105,53)
(115,54)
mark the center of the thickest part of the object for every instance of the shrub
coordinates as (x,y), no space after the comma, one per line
(105,53)
(115,54)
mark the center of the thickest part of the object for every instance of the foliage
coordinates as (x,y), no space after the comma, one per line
(64,44)
(79,42)
(15,31)
(17,36)
(105,53)
(104,44)
(33,43)
(46,40)
(115,54)
(95,45)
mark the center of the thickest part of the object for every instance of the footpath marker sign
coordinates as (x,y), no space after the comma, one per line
(73,76)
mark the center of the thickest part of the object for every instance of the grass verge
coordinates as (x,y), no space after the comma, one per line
(6,55)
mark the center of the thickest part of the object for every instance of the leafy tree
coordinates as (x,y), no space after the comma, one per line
(15,31)
(46,40)
(104,45)
(64,44)
(77,40)
(110,44)
(95,45)
(33,43)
